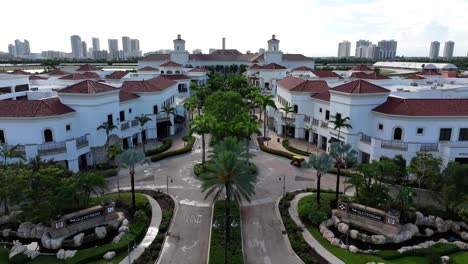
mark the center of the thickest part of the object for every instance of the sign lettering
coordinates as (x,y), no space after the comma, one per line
(367,214)
(86,217)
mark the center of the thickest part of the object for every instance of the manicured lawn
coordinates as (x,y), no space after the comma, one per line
(3,255)
(459,258)
(217,236)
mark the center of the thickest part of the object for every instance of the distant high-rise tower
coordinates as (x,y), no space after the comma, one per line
(12,50)
(224,43)
(22,47)
(373,52)
(126,45)
(77,48)
(388,49)
(361,48)
(344,49)
(84,46)
(448,49)
(114,48)
(434,50)
(135,45)
(96,45)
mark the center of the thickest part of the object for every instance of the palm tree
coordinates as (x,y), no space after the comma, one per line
(8,152)
(129,159)
(342,154)
(201,126)
(112,153)
(230,173)
(287,110)
(264,101)
(107,127)
(340,123)
(169,110)
(190,105)
(245,128)
(142,120)
(89,183)
(321,164)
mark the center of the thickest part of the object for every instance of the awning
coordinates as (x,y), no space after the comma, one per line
(179,119)
(333,140)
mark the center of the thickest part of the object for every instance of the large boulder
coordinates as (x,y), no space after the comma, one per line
(343,228)
(353,233)
(51,243)
(70,254)
(464,235)
(322,228)
(109,255)
(101,232)
(6,232)
(32,254)
(118,237)
(17,248)
(461,245)
(378,239)
(455,227)
(335,220)
(9,218)
(38,230)
(78,239)
(124,229)
(61,254)
(428,232)
(335,242)
(353,249)
(442,226)
(328,235)
(445,259)
(419,218)
(24,230)
(125,222)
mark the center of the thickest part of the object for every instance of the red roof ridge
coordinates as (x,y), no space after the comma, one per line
(170,64)
(147,68)
(360,87)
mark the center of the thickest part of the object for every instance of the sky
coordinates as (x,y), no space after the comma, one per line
(310,27)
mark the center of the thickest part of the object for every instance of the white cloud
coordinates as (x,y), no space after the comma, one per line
(303,26)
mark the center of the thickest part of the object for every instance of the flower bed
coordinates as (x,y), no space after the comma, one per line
(286,145)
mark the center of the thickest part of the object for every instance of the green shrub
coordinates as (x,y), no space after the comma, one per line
(343,172)
(198,168)
(274,151)
(190,141)
(389,254)
(286,145)
(20,259)
(109,173)
(317,217)
(140,216)
(165,146)
(442,249)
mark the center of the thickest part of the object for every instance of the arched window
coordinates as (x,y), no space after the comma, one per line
(155,109)
(296,109)
(397,133)
(162,72)
(169,72)
(48,137)
(177,72)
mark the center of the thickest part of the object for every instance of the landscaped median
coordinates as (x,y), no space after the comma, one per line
(235,254)
(286,145)
(165,146)
(188,147)
(284,154)
(198,169)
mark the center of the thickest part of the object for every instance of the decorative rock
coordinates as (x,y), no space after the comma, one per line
(322,228)
(343,228)
(378,239)
(61,254)
(38,231)
(109,255)
(32,254)
(101,232)
(124,229)
(328,235)
(445,259)
(455,227)
(335,220)
(464,235)
(353,233)
(335,242)
(441,225)
(461,245)
(429,232)
(125,222)
(118,237)
(419,218)
(353,249)
(363,237)
(24,230)
(9,218)
(6,232)
(78,239)
(17,248)
(50,243)
(328,222)
(70,253)
(442,240)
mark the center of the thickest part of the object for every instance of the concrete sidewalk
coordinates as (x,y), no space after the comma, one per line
(307,235)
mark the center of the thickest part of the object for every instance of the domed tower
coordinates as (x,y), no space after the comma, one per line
(180,55)
(273,54)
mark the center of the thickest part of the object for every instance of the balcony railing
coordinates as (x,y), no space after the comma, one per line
(428,147)
(366,139)
(307,119)
(135,123)
(82,142)
(324,124)
(315,122)
(52,148)
(125,126)
(394,144)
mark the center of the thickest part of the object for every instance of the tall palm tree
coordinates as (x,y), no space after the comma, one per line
(169,110)
(112,153)
(142,120)
(201,126)
(245,128)
(129,159)
(321,163)
(108,127)
(229,173)
(264,101)
(340,123)
(287,110)
(190,105)
(341,154)
(8,152)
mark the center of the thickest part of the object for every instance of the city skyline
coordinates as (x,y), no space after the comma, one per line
(357,20)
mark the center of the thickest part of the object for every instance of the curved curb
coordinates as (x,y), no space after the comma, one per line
(176,209)
(313,243)
(285,236)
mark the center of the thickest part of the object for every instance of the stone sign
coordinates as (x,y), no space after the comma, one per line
(367,214)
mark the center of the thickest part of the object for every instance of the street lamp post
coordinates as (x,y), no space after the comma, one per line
(216,225)
(167,183)
(283,178)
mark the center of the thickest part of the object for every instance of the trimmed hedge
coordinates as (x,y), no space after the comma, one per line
(442,249)
(190,141)
(198,168)
(165,146)
(286,145)
(343,172)
(280,153)
(389,254)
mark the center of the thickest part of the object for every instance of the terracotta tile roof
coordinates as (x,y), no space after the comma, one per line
(171,64)
(222,57)
(74,76)
(227,56)
(415,77)
(199,69)
(157,57)
(88,67)
(359,87)
(429,73)
(153,85)
(91,75)
(296,57)
(176,76)
(33,108)
(254,66)
(324,96)
(88,87)
(361,67)
(227,52)
(20,72)
(303,68)
(369,76)
(37,77)
(126,96)
(147,68)
(117,75)
(326,74)
(57,72)
(273,66)
(423,107)
(295,84)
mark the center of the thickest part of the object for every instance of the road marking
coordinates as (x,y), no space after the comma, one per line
(194,219)
(257,244)
(184,248)
(194,203)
